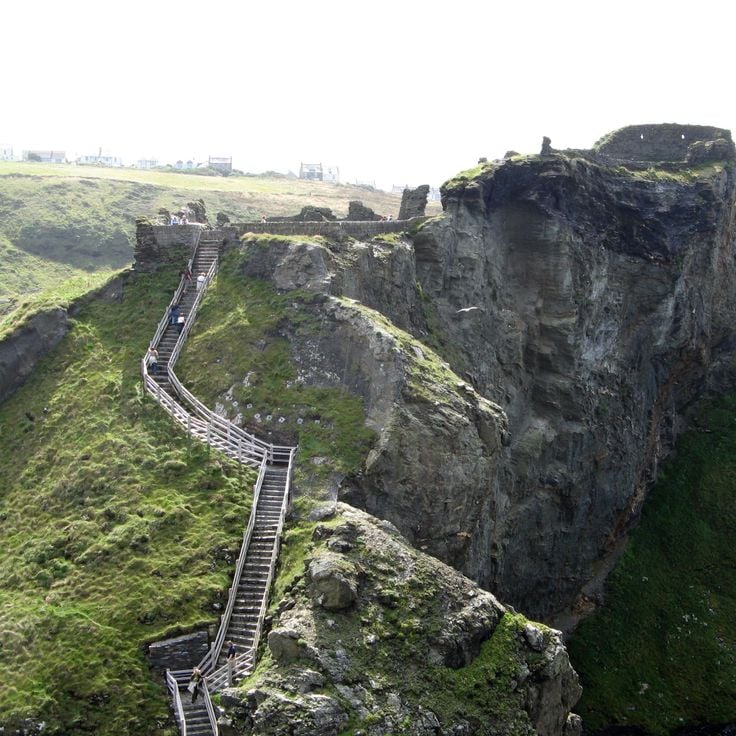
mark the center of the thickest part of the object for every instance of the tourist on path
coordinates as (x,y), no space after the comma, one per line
(230,663)
(200,282)
(180,323)
(194,683)
(152,360)
(186,275)
(174,314)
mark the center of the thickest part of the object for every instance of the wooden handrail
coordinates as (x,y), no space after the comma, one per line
(210,660)
(274,553)
(173,687)
(210,708)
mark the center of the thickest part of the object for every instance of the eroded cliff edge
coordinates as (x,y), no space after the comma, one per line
(586,304)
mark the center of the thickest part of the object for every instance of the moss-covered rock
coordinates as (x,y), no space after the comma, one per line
(421,650)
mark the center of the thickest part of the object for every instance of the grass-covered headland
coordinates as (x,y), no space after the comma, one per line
(661,654)
(115,528)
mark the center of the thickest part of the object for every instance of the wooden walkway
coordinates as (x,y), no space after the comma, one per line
(242,621)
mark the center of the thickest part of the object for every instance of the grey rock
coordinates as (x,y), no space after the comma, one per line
(333,582)
(413,202)
(284,644)
(320,513)
(24,347)
(535,637)
(305,715)
(307,680)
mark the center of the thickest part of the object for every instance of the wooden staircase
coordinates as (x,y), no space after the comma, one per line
(251,589)
(195,717)
(248,597)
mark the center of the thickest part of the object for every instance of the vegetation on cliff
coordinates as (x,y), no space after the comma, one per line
(239,349)
(661,653)
(115,529)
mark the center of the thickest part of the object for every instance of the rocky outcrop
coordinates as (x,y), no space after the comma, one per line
(418,639)
(358,211)
(24,347)
(414,202)
(591,304)
(35,337)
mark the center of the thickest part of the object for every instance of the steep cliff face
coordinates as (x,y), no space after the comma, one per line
(597,300)
(591,304)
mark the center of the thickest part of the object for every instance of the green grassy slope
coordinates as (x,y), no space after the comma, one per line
(62,221)
(236,335)
(113,527)
(661,654)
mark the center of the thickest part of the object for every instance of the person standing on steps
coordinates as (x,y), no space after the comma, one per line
(194,683)
(200,281)
(152,360)
(174,314)
(186,274)
(230,663)
(180,320)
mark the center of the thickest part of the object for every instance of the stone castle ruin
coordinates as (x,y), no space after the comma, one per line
(666,143)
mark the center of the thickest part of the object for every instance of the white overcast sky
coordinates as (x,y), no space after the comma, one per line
(397,92)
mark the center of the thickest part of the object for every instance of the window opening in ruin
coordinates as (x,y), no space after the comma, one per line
(642,136)
(682,136)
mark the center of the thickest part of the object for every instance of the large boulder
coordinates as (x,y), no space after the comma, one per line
(334,582)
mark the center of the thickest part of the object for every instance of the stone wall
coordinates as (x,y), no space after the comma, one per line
(156,245)
(329,229)
(663,142)
(179,653)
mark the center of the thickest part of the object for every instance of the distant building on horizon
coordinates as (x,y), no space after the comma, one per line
(98,159)
(223,164)
(6,152)
(310,171)
(331,173)
(366,183)
(46,157)
(146,163)
(182,165)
